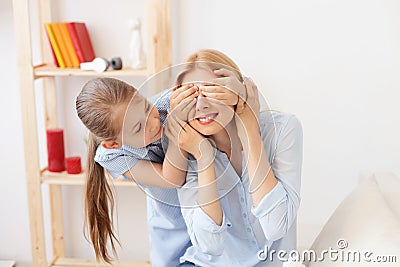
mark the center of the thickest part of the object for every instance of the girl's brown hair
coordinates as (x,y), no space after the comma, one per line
(96,105)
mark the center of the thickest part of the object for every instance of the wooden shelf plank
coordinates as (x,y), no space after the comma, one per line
(67,262)
(47,70)
(63,178)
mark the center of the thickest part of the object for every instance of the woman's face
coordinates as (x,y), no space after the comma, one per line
(208,116)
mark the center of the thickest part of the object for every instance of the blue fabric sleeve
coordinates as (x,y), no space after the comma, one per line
(278,209)
(116,161)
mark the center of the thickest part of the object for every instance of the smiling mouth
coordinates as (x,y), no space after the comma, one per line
(207,119)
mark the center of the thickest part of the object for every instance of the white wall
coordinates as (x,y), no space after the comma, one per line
(335,64)
(14,227)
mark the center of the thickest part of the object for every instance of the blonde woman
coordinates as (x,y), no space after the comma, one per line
(242,189)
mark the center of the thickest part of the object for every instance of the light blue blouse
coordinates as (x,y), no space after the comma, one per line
(247,230)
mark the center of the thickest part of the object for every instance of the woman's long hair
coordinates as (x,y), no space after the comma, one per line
(95,106)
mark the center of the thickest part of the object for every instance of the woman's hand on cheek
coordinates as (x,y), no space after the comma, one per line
(252,104)
(187,138)
(247,117)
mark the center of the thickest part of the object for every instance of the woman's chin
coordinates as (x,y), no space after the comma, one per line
(208,130)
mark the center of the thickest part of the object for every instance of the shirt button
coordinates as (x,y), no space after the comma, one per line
(248,229)
(242,199)
(244,215)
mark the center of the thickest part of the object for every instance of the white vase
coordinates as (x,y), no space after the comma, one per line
(137,57)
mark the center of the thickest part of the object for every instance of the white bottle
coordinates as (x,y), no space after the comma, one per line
(137,58)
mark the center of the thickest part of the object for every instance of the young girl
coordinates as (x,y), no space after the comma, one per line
(234,210)
(125,138)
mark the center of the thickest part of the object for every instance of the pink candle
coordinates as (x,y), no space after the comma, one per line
(73,165)
(55,150)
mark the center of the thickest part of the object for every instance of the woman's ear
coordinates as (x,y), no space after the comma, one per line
(111,144)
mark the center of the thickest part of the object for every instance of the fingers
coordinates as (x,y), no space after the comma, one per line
(216,96)
(180,89)
(221,81)
(249,88)
(224,72)
(240,105)
(172,128)
(186,107)
(184,92)
(215,89)
(180,122)
(182,110)
(169,133)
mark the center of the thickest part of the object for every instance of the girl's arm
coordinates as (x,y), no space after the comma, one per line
(151,174)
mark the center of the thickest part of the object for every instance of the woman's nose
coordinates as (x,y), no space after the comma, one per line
(202,103)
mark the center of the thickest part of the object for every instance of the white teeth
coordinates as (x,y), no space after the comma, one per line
(206,119)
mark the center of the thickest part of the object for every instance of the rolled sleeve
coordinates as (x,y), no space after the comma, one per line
(270,201)
(209,236)
(273,214)
(277,210)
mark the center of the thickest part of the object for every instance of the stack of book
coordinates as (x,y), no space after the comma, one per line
(70,43)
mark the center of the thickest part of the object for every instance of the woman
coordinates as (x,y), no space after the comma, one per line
(242,190)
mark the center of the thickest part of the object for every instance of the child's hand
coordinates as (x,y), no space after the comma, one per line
(229,90)
(182,110)
(188,91)
(220,93)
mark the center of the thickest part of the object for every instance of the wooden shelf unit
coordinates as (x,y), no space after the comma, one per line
(158,58)
(68,262)
(63,178)
(47,70)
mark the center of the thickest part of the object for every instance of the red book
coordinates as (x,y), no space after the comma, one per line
(81,41)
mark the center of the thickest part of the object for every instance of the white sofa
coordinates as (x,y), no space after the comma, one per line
(364,230)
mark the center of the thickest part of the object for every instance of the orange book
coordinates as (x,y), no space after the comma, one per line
(60,40)
(55,45)
(69,45)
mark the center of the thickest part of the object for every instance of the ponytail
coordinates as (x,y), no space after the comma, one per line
(95,107)
(99,206)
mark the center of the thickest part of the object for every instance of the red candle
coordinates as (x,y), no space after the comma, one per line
(55,150)
(73,165)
